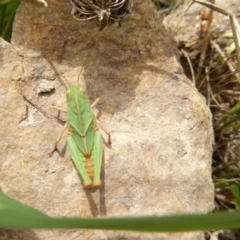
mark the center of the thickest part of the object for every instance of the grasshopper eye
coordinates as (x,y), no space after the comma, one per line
(82,90)
(67,93)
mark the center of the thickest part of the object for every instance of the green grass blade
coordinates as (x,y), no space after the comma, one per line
(11,212)
(7,14)
(2,17)
(7,29)
(235,191)
(4,3)
(230,122)
(17,215)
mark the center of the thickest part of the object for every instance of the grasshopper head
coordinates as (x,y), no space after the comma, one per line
(75,91)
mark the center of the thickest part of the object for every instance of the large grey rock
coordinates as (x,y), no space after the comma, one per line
(160,159)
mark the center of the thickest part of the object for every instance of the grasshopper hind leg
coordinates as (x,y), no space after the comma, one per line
(105,130)
(100,124)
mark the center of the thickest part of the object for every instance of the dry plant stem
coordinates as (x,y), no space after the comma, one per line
(222,54)
(231,92)
(215,100)
(106,12)
(208,87)
(204,46)
(60,109)
(233,23)
(212,79)
(166,10)
(191,67)
(209,92)
(219,181)
(95,102)
(174,31)
(214,235)
(44,2)
(227,154)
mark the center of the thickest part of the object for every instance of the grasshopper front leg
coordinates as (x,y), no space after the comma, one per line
(58,139)
(60,134)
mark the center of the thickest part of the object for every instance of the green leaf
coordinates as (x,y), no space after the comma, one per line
(229,119)
(235,191)
(231,48)
(7,14)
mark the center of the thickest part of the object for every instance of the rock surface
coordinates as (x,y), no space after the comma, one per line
(160,159)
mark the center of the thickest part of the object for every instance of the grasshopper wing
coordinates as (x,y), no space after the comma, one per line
(97,155)
(79,112)
(79,161)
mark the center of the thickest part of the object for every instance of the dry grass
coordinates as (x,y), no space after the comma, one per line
(211,61)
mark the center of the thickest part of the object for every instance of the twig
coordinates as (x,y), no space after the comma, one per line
(233,22)
(191,67)
(204,45)
(222,54)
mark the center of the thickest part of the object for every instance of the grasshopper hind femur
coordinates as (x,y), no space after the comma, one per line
(105,11)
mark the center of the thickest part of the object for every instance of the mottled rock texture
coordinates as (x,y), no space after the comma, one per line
(160,159)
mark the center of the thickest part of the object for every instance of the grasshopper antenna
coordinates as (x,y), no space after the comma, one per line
(67,82)
(80,71)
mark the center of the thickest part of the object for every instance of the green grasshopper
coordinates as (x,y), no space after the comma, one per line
(84,140)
